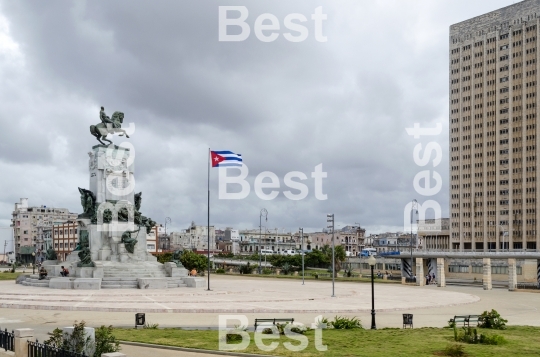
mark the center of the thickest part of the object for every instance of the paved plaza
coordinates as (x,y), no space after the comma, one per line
(232,294)
(45,309)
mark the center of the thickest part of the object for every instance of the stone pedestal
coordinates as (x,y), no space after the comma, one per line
(173,271)
(87,284)
(420,280)
(512,275)
(61,283)
(486,280)
(193,282)
(441,277)
(98,270)
(49,262)
(84,272)
(22,335)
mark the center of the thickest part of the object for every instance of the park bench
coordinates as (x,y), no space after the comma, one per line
(465,319)
(473,319)
(273,321)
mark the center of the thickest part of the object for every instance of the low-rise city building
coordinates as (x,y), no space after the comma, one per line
(434,233)
(64,238)
(195,238)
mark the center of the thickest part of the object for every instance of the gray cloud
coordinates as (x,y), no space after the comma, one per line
(284,106)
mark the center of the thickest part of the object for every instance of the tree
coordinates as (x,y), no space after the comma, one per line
(340,255)
(317,259)
(191,260)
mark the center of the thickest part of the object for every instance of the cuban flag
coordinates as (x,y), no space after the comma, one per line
(225,159)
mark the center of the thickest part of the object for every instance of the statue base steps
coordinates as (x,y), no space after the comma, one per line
(116,275)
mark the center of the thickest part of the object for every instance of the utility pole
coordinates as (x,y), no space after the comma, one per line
(330,220)
(414,204)
(302,251)
(265,213)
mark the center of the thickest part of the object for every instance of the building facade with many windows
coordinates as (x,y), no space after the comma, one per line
(32,228)
(64,239)
(494,133)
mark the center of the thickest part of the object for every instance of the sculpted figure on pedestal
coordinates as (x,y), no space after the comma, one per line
(129,242)
(108,126)
(88,203)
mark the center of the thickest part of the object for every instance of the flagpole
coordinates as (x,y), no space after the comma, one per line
(208,227)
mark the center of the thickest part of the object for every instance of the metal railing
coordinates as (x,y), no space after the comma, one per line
(7,340)
(36,349)
(528,286)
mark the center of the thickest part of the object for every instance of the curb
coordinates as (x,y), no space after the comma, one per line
(194,350)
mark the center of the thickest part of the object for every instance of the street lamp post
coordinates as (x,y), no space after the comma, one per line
(167,221)
(330,220)
(34,262)
(414,204)
(265,213)
(372,261)
(302,251)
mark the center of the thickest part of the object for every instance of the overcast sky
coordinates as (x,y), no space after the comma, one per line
(284,106)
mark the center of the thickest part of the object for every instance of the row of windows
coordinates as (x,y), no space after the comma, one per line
(478,269)
(62,245)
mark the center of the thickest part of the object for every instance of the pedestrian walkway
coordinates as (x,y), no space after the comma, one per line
(237,294)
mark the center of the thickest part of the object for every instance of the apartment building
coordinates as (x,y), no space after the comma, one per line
(494,133)
(31,227)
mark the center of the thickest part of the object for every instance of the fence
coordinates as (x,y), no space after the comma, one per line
(528,286)
(36,349)
(19,343)
(7,340)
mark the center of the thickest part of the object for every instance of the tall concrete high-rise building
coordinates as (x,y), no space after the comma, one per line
(494,130)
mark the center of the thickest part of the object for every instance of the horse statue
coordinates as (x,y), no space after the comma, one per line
(108,126)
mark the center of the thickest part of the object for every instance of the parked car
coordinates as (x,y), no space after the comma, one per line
(368,252)
(289,252)
(267,252)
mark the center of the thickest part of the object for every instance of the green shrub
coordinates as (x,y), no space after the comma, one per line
(286,269)
(78,342)
(150,326)
(470,335)
(232,337)
(225,255)
(163,257)
(454,350)
(267,271)
(248,268)
(492,319)
(220,271)
(345,323)
(296,328)
(105,341)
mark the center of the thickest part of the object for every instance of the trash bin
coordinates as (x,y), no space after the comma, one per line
(407,320)
(140,319)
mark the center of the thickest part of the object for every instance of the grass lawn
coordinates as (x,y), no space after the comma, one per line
(9,276)
(521,341)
